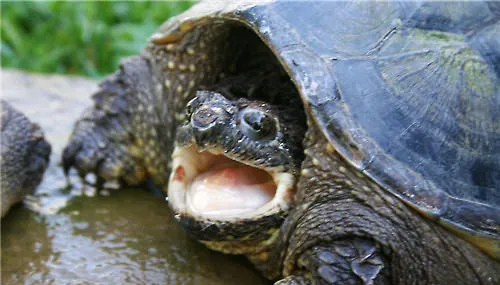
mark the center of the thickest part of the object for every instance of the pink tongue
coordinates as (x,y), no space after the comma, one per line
(232,190)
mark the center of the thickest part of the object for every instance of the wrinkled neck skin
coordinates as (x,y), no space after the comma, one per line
(158,83)
(335,202)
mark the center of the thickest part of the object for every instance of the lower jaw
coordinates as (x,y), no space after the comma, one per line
(247,237)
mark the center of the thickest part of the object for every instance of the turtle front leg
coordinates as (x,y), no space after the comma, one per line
(350,261)
(119,137)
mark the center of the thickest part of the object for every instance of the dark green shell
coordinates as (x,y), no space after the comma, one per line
(408,93)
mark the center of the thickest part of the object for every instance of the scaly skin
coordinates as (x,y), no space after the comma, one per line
(24,156)
(343,229)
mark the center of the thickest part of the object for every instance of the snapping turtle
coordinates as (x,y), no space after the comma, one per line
(330,143)
(24,156)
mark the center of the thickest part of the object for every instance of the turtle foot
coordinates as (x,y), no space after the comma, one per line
(103,141)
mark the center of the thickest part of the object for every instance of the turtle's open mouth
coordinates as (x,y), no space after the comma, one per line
(210,185)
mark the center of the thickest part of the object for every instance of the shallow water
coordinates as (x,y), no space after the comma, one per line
(71,235)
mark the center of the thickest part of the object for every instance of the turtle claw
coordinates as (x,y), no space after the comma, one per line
(89,151)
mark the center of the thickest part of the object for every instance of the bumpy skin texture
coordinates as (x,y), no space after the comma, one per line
(343,229)
(24,156)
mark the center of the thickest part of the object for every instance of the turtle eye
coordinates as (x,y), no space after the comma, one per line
(257,125)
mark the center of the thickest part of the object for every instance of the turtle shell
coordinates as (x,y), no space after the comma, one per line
(408,93)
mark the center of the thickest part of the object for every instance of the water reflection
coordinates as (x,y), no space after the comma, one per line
(26,246)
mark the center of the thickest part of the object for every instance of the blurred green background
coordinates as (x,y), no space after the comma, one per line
(85,38)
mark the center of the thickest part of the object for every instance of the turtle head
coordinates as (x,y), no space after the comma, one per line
(250,132)
(234,169)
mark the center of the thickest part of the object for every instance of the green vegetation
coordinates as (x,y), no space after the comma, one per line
(87,38)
